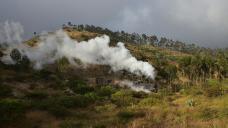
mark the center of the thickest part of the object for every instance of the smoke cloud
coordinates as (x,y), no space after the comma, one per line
(11,33)
(58,45)
(133,86)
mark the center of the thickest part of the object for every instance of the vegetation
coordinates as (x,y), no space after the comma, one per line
(192,88)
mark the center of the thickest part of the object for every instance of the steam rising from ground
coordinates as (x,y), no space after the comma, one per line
(11,33)
(58,45)
(134,86)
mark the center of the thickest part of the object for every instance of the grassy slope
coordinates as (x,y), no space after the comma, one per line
(191,107)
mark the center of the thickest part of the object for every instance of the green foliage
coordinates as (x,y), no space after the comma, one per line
(79,87)
(11,110)
(105,91)
(91,97)
(123,98)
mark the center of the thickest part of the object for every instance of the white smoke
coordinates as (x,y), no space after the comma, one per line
(11,33)
(95,51)
(133,86)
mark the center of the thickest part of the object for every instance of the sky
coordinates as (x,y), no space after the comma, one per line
(204,22)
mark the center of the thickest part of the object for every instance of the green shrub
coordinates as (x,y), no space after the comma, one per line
(79,87)
(105,91)
(5,91)
(123,98)
(11,110)
(92,97)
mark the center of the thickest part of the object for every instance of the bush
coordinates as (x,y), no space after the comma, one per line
(123,98)
(79,87)
(92,97)
(105,91)
(5,91)
(11,110)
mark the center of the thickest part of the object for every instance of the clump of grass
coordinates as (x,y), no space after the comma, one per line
(123,98)
(150,101)
(105,91)
(213,91)
(106,107)
(208,113)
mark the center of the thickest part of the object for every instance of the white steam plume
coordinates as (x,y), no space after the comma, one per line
(95,51)
(11,33)
(133,86)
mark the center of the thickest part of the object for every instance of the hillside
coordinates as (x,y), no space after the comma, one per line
(191,91)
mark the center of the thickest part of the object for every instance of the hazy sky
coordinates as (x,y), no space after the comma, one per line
(198,21)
